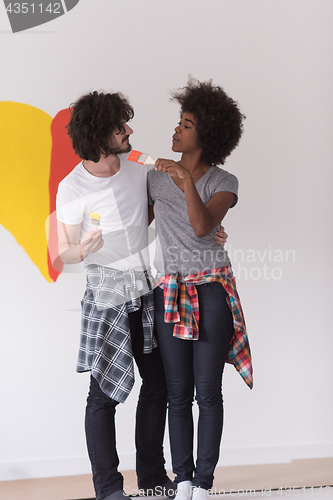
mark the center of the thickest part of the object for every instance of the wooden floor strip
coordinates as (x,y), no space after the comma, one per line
(296,474)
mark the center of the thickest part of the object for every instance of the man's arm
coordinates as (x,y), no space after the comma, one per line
(71,249)
(151,215)
(221,236)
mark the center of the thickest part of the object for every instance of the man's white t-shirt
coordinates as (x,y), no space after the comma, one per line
(121,200)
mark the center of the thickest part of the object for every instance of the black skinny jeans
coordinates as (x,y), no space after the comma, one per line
(150,423)
(196,364)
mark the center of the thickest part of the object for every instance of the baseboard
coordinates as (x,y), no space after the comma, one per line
(273,454)
(72,466)
(32,469)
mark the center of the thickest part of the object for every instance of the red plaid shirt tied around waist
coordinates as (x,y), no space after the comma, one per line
(187,318)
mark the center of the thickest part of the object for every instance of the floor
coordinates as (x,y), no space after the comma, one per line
(306,479)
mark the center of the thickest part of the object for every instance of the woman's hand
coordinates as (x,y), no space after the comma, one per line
(172,168)
(221,236)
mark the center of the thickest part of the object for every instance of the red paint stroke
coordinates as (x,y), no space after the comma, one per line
(63,160)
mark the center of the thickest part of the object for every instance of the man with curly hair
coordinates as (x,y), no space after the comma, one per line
(102,221)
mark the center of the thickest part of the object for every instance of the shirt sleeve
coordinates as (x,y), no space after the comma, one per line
(70,206)
(227,182)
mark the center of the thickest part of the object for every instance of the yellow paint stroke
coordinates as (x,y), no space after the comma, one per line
(25,145)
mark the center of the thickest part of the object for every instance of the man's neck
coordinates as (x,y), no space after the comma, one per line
(105,167)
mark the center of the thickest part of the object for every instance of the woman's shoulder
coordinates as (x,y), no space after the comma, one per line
(221,180)
(151,173)
(219,173)
(217,176)
(155,176)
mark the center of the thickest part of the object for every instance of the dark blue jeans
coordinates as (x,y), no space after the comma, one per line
(196,364)
(150,423)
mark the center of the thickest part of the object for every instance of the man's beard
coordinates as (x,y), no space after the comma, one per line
(125,148)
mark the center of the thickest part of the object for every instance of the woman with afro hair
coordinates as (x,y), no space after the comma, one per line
(198,317)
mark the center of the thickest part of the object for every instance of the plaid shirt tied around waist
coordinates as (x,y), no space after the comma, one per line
(105,344)
(187,318)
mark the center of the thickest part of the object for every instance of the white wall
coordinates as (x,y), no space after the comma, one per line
(275,58)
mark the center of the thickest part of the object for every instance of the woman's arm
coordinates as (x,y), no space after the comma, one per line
(203,218)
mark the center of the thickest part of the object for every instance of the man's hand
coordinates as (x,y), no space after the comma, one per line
(91,242)
(221,236)
(71,249)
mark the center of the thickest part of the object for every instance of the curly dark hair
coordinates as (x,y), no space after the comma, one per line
(220,122)
(94,117)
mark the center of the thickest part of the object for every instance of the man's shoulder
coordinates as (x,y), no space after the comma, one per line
(132,165)
(72,177)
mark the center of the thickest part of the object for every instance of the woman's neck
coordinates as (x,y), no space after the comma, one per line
(194,164)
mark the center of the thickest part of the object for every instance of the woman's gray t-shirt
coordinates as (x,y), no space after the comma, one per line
(178,249)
